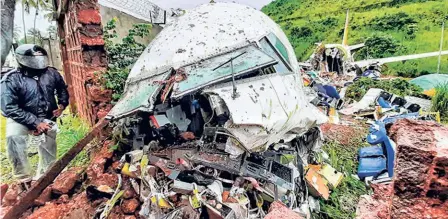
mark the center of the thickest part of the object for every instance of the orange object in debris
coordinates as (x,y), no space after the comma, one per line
(317,184)
(225,196)
(314,167)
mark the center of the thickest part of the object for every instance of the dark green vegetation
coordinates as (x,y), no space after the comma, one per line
(388,27)
(344,199)
(71,131)
(440,101)
(395,86)
(121,56)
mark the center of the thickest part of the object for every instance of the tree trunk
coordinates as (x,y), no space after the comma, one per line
(23,22)
(35,17)
(7,27)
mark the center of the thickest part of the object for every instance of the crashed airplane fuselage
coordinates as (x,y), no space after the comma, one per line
(220,68)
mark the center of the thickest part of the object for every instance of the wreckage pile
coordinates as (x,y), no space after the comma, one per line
(185,181)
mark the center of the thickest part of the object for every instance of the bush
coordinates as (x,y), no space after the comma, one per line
(395,86)
(380,46)
(440,101)
(121,56)
(396,21)
(301,32)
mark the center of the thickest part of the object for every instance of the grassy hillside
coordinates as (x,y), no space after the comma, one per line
(403,27)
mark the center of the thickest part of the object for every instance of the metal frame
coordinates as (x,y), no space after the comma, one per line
(275,50)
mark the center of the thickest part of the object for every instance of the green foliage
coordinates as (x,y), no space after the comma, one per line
(122,55)
(299,32)
(418,31)
(440,101)
(72,129)
(344,199)
(396,21)
(380,46)
(395,86)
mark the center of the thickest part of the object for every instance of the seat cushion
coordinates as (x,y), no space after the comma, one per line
(374,151)
(371,166)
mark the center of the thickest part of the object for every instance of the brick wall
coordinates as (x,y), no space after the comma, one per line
(84,58)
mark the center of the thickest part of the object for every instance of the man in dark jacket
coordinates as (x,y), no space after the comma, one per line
(29,104)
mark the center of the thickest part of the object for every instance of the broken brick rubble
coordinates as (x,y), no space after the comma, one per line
(66,181)
(278,210)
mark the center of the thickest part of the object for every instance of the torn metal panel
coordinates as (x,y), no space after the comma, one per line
(423,103)
(367,100)
(208,71)
(139,96)
(274,106)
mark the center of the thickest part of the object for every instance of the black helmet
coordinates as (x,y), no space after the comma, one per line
(32,56)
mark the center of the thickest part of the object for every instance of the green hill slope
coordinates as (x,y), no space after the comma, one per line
(390,27)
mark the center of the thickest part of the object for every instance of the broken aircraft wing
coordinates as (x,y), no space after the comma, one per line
(368,62)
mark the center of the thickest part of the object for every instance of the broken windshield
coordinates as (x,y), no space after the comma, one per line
(206,72)
(281,66)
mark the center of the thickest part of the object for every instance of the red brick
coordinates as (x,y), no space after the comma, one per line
(279,211)
(130,206)
(65,182)
(44,197)
(89,16)
(99,94)
(92,41)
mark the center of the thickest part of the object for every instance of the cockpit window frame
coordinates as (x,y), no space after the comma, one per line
(285,62)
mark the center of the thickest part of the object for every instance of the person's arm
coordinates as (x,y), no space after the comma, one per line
(61,90)
(10,107)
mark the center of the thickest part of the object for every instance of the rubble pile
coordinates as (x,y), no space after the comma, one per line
(343,134)
(178,176)
(419,187)
(186,180)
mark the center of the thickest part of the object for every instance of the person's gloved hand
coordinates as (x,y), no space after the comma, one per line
(58,112)
(42,128)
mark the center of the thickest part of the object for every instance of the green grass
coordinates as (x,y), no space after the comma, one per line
(344,199)
(71,131)
(316,14)
(440,101)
